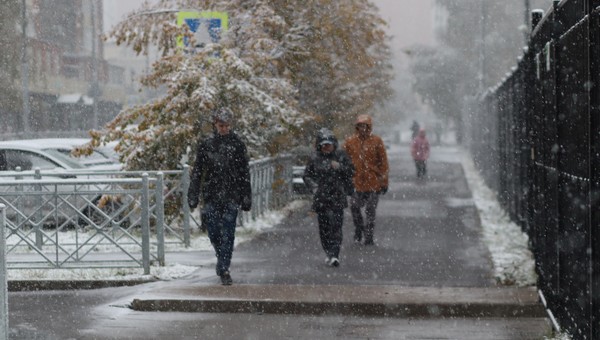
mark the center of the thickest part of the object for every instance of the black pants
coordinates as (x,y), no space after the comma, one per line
(421,168)
(330,230)
(368,200)
(220,222)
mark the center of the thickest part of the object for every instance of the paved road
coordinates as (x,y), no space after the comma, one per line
(428,250)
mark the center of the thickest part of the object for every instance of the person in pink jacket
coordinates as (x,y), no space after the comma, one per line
(420,153)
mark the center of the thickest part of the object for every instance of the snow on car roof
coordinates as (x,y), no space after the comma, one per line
(57,147)
(47,143)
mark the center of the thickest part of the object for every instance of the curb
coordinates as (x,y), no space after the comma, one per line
(36,285)
(335,308)
(382,301)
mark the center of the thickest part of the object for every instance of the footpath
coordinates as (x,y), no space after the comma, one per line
(429,276)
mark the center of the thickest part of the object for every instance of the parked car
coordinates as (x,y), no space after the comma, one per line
(21,158)
(54,149)
(108,151)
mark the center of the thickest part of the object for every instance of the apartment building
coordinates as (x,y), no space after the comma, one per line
(70,85)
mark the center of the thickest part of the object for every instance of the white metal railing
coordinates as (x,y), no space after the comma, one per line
(103,213)
(106,209)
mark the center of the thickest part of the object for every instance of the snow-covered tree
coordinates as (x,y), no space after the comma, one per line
(481,42)
(348,70)
(280,64)
(439,74)
(495,29)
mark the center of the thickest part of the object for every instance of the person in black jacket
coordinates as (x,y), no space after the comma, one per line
(331,171)
(221,173)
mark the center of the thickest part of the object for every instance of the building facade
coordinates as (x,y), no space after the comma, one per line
(69,85)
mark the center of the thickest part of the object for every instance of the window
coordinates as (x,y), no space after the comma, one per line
(27,161)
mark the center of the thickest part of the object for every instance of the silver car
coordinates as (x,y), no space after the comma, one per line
(58,152)
(32,204)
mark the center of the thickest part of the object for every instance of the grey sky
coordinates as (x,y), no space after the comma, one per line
(410,20)
(116,10)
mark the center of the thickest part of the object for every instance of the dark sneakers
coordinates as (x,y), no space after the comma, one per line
(226,279)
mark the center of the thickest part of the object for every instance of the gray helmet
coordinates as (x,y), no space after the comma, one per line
(223,114)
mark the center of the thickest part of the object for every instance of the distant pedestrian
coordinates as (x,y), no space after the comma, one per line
(438,133)
(221,173)
(420,153)
(330,170)
(369,157)
(415,129)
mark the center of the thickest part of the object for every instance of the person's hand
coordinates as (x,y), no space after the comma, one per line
(335,165)
(383,191)
(246,204)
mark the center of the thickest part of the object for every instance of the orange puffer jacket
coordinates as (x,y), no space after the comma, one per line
(370,162)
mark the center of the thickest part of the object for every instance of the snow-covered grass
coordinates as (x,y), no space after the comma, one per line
(199,242)
(170,272)
(508,244)
(559,336)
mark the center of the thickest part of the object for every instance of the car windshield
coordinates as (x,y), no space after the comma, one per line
(95,158)
(65,159)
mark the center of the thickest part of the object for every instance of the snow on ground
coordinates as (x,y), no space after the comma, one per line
(199,242)
(513,262)
(508,244)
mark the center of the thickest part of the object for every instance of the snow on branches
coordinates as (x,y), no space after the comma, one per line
(278,66)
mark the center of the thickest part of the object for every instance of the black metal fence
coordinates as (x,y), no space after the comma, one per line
(536,141)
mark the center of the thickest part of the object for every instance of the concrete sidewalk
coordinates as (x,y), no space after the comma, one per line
(429,262)
(428,276)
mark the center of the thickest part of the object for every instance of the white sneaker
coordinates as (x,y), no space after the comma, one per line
(334,262)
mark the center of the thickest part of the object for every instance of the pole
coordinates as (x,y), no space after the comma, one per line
(94,87)
(145,225)
(3,282)
(483,23)
(160,218)
(24,69)
(527,20)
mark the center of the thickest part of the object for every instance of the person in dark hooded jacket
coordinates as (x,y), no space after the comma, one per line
(221,173)
(330,170)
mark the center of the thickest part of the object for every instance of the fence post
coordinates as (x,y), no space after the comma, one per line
(19,220)
(594,109)
(185,186)
(255,184)
(39,241)
(160,218)
(3,282)
(271,177)
(145,225)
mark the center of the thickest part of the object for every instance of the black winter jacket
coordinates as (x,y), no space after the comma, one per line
(333,185)
(221,172)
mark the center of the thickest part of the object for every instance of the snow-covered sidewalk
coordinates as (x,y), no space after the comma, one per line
(513,262)
(507,243)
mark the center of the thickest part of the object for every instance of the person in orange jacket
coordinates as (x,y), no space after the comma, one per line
(369,157)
